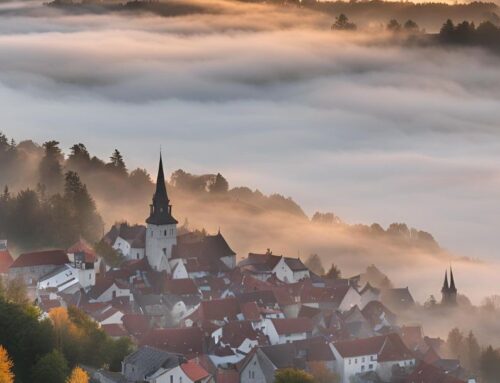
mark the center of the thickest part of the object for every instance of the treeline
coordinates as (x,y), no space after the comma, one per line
(398,233)
(486,34)
(46,349)
(482,361)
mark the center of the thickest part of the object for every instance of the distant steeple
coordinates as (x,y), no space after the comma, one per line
(449,291)
(160,209)
(446,286)
(453,289)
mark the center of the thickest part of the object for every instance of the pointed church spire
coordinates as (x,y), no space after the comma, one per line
(161,210)
(452,281)
(446,286)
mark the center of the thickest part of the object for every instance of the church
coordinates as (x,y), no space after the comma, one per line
(449,290)
(180,256)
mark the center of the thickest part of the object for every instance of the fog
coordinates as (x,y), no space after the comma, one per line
(355,123)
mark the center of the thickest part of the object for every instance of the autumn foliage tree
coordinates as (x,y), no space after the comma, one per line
(78,376)
(292,375)
(6,374)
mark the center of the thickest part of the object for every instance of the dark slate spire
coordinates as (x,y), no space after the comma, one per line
(446,287)
(453,289)
(160,209)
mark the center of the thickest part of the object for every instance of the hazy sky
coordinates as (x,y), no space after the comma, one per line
(350,124)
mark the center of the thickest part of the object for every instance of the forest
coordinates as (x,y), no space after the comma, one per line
(60,205)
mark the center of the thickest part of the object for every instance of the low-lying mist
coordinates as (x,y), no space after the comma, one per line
(355,123)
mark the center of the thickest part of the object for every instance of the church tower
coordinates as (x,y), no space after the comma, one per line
(161,230)
(449,291)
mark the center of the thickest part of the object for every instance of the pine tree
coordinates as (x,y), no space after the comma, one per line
(78,376)
(117,164)
(50,168)
(6,374)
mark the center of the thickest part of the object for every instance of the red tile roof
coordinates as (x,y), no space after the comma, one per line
(387,347)
(235,332)
(292,325)
(5,261)
(136,324)
(219,309)
(185,286)
(194,371)
(83,247)
(188,341)
(114,330)
(425,373)
(250,311)
(39,258)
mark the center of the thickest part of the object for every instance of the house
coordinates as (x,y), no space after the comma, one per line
(368,294)
(188,372)
(30,267)
(128,240)
(376,354)
(211,251)
(106,289)
(398,299)
(240,336)
(264,266)
(287,330)
(5,258)
(217,311)
(141,364)
(60,279)
(261,364)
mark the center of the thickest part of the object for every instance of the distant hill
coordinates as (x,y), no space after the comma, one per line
(249,219)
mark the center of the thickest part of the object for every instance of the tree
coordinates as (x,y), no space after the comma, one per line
(471,353)
(334,272)
(342,23)
(50,168)
(78,376)
(25,336)
(52,368)
(490,365)
(292,375)
(314,264)
(410,26)
(454,343)
(321,374)
(6,374)
(111,256)
(83,209)
(117,164)
(218,185)
(79,158)
(393,26)
(16,291)
(447,32)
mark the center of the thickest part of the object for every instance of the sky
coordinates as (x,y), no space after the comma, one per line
(351,123)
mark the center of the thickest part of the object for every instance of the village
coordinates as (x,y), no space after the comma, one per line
(197,312)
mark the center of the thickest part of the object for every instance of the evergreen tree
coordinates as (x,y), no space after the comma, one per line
(393,26)
(490,365)
(79,158)
(117,164)
(52,368)
(314,264)
(50,169)
(218,185)
(455,342)
(334,272)
(471,353)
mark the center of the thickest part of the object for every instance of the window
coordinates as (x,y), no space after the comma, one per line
(180,379)
(363,359)
(370,366)
(165,233)
(350,361)
(171,379)
(362,368)
(356,361)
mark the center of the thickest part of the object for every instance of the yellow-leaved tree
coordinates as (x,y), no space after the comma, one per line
(78,376)
(6,374)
